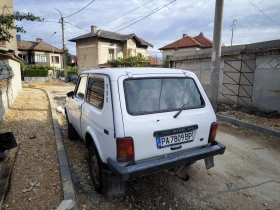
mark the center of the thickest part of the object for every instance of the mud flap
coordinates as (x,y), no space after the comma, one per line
(209,162)
(116,186)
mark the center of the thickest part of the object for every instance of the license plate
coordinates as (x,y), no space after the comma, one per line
(175,139)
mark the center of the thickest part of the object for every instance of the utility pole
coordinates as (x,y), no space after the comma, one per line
(216,53)
(232,29)
(64,46)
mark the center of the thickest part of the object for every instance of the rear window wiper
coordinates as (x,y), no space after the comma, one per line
(181,109)
(179,112)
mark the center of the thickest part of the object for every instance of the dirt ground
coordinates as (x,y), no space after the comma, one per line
(35,181)
(247,176)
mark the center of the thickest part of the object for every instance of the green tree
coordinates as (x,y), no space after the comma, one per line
(7,23)
(68,58)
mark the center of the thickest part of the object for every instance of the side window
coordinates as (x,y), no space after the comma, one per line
(81,90)
(95,92)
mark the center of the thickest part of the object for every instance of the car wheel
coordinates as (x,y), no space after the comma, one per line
(71,131)
(98,175)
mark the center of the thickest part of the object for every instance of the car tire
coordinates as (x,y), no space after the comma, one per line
(97,172)
(71,131)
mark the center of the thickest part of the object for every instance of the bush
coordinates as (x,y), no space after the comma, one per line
(41,67)
(133,61)
(69,72)
(35,73)
(70,68)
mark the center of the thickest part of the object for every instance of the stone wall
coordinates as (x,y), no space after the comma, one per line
(37,79)
(10,88)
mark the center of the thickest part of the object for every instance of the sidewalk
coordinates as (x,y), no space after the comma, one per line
(35,181)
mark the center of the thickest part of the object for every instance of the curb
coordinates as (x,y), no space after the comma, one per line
(66,179)
(248,125)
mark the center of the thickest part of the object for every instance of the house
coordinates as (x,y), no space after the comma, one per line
(249,73)
(187,43)
(154,61)
(40,52)
(94,49)
(10,72)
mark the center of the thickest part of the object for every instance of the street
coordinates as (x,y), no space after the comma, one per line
(247,176)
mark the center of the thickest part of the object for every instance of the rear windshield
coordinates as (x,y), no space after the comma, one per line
(152,95)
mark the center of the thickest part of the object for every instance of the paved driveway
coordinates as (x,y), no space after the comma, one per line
(247,176)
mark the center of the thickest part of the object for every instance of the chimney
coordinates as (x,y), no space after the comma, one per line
(38,40)
(201,34)
(185,35)
(93,29)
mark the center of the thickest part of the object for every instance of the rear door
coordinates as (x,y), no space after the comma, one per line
(149,105)
(76,103)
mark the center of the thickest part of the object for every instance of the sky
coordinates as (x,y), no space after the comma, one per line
(161,28)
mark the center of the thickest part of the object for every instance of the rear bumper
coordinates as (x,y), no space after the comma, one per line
(167,162)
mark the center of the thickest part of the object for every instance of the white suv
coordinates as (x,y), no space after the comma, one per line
(137,121)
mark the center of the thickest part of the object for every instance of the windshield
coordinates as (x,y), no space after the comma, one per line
(152,95)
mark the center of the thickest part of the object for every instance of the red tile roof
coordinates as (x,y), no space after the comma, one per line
(188,41)
(154,61)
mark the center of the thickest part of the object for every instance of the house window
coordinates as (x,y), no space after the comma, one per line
(139,55)
(95,92)
(40,58)
(111,54)
(55,59)
(23,57)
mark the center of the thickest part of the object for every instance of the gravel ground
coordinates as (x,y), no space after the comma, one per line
(35,181)
(251,161)
(272,123)
(267,119)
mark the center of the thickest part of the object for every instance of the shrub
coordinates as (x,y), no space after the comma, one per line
(133,61)
(35,73)
(69,73)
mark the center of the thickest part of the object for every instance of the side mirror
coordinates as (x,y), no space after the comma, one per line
(70,94)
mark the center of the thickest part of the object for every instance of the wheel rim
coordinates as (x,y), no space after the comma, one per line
(95,169)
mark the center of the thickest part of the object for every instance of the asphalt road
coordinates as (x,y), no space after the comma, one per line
(247,176)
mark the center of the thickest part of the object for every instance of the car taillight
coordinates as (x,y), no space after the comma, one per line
(125,149)
(213,132)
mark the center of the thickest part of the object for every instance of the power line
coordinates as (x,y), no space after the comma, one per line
(125,14)
(256,7)
(80,9)
(50,21)
(96,7)
(126,22)
(77,27)
(68,32)
(156,10)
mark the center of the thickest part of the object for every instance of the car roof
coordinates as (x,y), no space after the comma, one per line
(114,73)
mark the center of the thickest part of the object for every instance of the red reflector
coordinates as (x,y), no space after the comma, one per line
(125,149)
(213,132)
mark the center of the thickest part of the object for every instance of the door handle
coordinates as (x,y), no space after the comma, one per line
(79,106)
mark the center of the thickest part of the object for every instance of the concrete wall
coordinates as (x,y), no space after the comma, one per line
(87,52)
(93,52)
(38,79)
(103,51)
(267,82)
(238,79)
(170,52)
(202,70)
(9,94)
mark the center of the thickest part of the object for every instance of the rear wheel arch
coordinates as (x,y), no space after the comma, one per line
(90,140)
